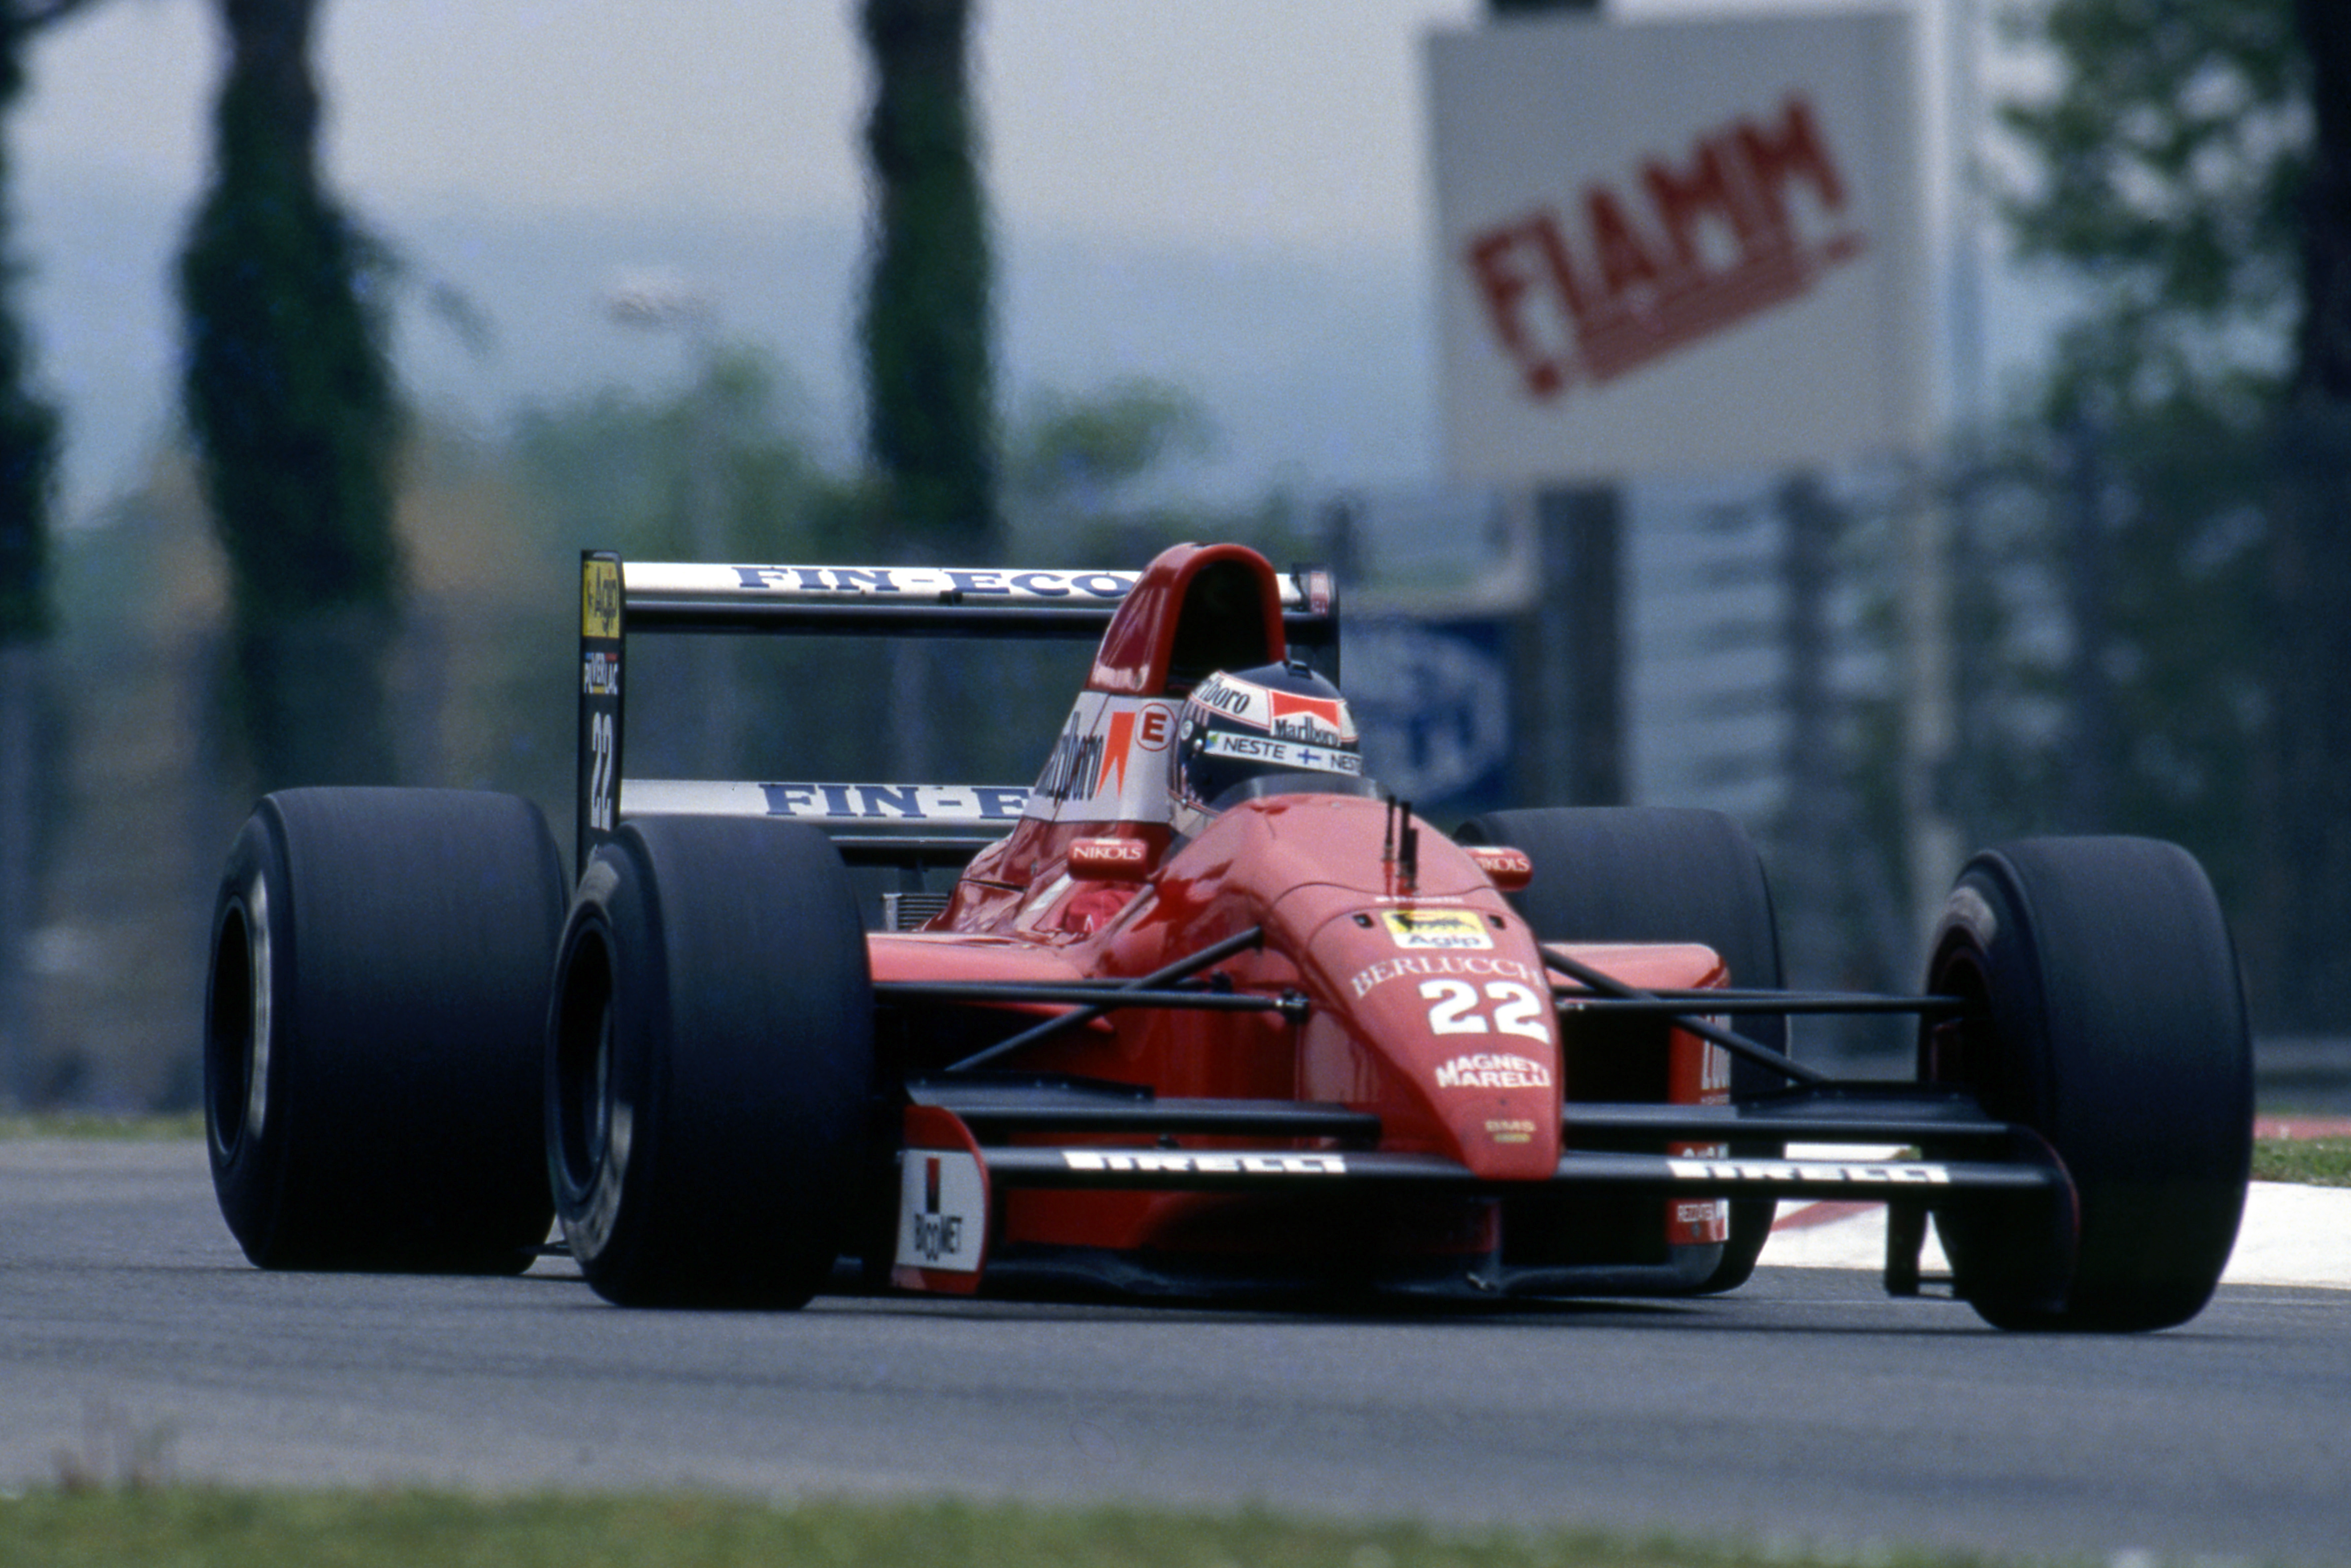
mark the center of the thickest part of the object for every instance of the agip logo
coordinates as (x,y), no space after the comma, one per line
(1748,218)
(1437,930)
(600,599)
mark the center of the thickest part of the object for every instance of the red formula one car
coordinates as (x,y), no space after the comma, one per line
(1201,1011)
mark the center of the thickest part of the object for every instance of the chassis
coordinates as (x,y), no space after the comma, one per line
(1319,1048)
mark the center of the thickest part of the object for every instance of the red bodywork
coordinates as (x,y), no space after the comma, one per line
(1426,999)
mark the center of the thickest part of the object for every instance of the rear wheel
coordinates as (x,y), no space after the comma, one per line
(709,1064)
(1655,874)
(372,1023)
(2111,1022)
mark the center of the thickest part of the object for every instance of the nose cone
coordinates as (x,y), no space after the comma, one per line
(1448,1018)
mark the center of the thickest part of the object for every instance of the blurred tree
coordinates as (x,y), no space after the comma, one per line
(607,470)
(2323,348)
(2309,849)
(28,425)
(2190,166)
(610,470)
(290,395)
(1087,478)
(28,459)
(930,430)
(1073,458)
(2168,164)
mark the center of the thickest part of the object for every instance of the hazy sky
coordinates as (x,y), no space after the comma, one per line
(1292,122)
(1293,129)
(1287,124)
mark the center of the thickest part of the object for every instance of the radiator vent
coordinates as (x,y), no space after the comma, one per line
(911,911)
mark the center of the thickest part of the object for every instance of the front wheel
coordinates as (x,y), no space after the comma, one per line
(2107,1018)
(709,1064)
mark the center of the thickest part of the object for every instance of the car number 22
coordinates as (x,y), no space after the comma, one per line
(1453,1009)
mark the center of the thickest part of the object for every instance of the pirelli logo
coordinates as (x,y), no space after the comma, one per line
(1869,1174)
(1182,1163)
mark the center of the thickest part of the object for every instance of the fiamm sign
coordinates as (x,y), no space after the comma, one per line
(1700,243)
(1681,245)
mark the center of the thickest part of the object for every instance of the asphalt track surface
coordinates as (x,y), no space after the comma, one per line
(1805,1409)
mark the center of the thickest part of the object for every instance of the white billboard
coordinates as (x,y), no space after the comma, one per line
(1679,245)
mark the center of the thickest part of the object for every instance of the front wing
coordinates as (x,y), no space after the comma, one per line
(955,1163)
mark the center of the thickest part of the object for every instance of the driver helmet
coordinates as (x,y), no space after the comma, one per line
(1277,730)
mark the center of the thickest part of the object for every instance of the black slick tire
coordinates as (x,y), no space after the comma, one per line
(2109,1020)
(372,1025)
(709,1064)
(1661,874)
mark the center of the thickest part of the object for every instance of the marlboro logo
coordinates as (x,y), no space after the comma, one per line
(1749,218)
(1287,705)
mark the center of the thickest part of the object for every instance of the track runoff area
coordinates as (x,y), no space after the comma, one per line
(2291,1234)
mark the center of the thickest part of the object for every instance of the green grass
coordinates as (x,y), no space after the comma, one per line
(2312,1162)
(100,1125)
(193,1528)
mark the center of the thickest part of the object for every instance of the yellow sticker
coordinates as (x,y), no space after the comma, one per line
(600,599)
(1437,930)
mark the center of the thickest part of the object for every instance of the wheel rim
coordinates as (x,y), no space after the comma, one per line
(239,1033)
(593,1123)
(583,1065)
(1964,1051)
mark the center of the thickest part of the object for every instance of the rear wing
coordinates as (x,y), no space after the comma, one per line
(910,826)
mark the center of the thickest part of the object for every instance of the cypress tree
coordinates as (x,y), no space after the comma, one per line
(30,761)
(2310,568)
(290,395)
(929,426)
(29,424)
